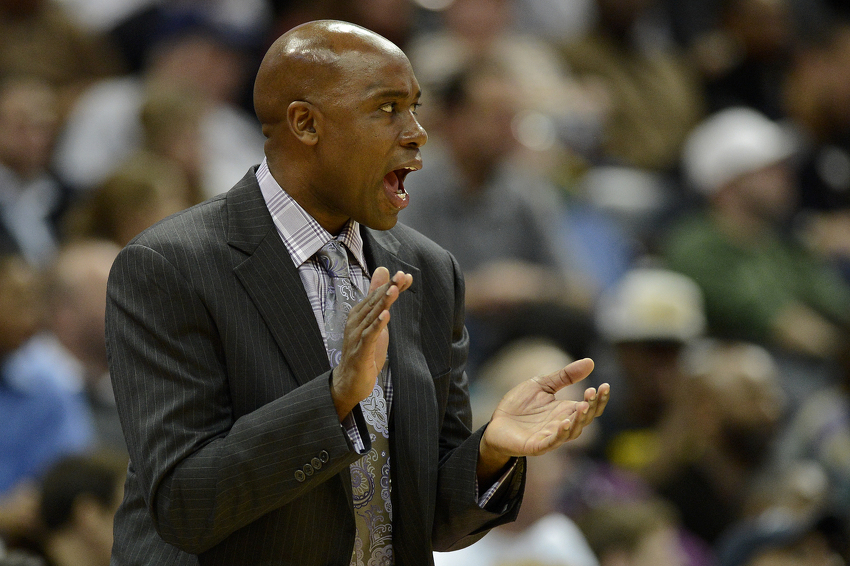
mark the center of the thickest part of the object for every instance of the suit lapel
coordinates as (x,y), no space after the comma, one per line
(380,249)
(272,281)
(413,418)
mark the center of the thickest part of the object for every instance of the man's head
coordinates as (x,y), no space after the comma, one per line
(479,106)
(650,316)
(79,497)
(738,159)
(742,426)
(634,533)
(76,289)
(28,125)
(337,103)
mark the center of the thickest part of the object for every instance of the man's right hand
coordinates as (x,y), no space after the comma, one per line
(364,345)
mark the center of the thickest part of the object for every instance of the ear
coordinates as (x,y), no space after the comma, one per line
(303,119)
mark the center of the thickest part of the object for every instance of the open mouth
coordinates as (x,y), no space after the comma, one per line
(394,186)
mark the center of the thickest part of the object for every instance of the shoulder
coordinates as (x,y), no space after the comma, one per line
(191,229)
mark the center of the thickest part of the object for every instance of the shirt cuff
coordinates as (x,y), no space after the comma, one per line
(349,427)
(490,494)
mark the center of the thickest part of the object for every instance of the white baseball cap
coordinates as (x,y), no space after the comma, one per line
(731,143)
(652,304)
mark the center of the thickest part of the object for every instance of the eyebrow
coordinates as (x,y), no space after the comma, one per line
(378,92)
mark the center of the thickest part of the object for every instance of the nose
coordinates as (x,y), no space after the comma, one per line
(415,135)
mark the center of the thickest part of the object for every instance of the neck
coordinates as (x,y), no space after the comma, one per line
(740,226)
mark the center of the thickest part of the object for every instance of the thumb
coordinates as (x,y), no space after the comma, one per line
(572,373)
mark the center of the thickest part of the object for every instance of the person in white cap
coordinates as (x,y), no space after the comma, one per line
(759,283)
(647,319)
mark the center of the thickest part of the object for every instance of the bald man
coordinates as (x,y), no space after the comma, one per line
(244,431)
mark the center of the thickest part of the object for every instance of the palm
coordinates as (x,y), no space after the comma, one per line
(530,420)
(527,418)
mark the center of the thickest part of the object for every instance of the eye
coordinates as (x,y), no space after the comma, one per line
(389,107)
(414,107)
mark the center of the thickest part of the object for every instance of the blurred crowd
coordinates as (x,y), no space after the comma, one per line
(661,185)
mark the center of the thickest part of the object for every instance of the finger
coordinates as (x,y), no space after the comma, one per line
(594,400)
(604,395)
(383,292)
(568,429)
(580,419)
(379,277)
(402,280)
(572,373)
(366,336)
(379,299)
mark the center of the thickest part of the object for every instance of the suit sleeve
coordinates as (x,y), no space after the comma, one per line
(459,519)
(204,473)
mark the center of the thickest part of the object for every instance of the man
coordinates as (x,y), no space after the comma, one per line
(76,301)
(772,289)
(245,445)
(79,496)
(32,200)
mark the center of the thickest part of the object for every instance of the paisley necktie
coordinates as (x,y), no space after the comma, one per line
(370,475)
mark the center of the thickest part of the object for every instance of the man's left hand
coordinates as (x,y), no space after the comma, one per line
(530,421)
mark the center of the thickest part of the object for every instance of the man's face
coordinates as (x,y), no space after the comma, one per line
(368,141)
(769,193)
(481,128)
(28,123)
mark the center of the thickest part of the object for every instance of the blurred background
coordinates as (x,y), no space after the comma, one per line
(661,185)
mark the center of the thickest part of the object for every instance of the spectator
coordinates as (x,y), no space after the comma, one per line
(172,123)
(759,284)
(727,415)
(817,102)
(38,38)
(142,191)
(31,199)
(648,320)
(640,533)
(41,420)
(496,218)
(541,532)
(654,96)
(776,538)
(819,431)
(562,116)
(190,55)
(759,38)
(79,497)
(76,298)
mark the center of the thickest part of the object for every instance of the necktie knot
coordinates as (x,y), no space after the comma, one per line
(334,259)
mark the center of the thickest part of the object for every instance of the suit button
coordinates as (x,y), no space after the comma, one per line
(324,456)
(308,469)
(299,475)
(316,463)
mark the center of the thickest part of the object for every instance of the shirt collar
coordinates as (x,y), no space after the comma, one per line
(302,235)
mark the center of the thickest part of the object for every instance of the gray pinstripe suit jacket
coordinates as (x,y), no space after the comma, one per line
(221,380)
